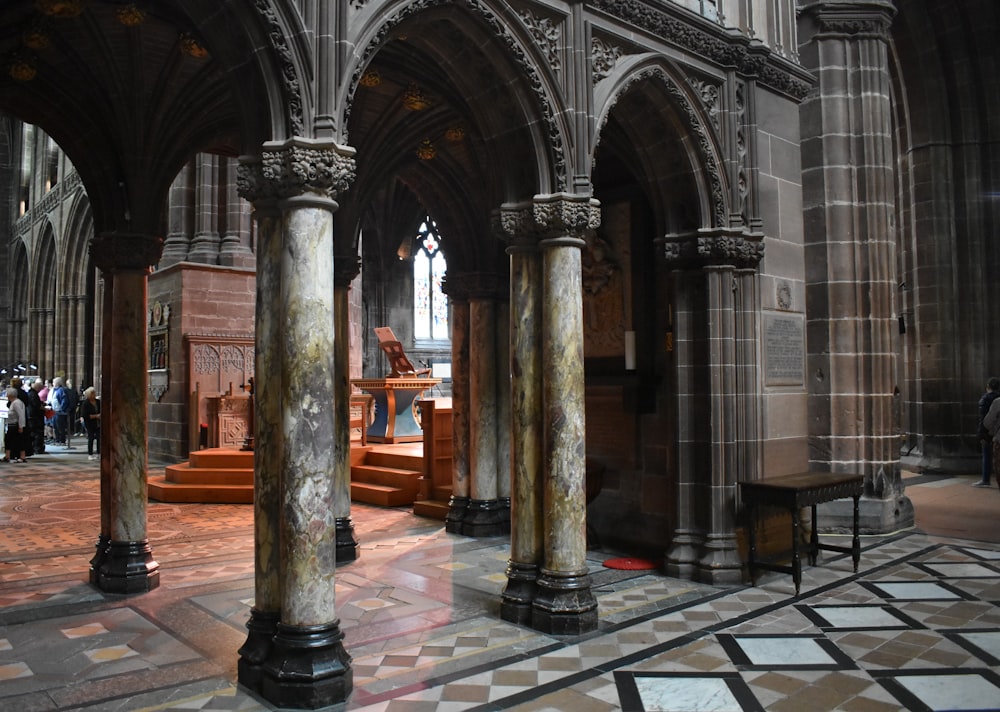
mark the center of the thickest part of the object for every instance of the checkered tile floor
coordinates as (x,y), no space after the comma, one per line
(917,628)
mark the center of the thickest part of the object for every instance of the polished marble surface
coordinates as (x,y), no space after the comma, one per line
(917,628)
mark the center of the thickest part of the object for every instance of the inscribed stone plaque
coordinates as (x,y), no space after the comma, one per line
(784,350)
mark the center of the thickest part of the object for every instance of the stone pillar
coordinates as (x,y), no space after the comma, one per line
(564,603)
(107,348)
(180,204)
(268,440)
(346,268)
(127,565)
(718,395)
(483,516)
(503,413)
(306,665)
(850,245)
(459,504)
(205,242)
(234,249)
(527,549)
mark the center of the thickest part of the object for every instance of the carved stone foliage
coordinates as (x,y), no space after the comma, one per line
(692,122)
(296,167)
(548,35)
(509,42)
(289,76)
(113,252)
(725,51)
(714,248)
(709,94)
(603,57)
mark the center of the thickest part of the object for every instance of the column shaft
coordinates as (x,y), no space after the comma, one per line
(460,414)
(482,518)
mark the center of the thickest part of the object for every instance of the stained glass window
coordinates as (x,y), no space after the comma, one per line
(430,306)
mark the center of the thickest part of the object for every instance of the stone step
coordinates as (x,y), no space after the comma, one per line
(381,495)
(185,474)
(432,508)
(163,491)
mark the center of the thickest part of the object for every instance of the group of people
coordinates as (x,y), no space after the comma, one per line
(41,408)
(989,432)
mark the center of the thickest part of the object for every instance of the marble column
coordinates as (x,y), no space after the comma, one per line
(127,565)
(307,665)
(107,348)
(504,481)
(564,602)
(346,268)
(526,537)
(266,610)
(459,504)
(482,517)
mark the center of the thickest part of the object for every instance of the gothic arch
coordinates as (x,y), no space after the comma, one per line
(537,94)
(664,87)
(76,241)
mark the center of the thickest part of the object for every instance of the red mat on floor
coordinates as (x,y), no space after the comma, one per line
(629,564)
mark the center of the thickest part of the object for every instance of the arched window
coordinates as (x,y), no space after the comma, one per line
(430,306)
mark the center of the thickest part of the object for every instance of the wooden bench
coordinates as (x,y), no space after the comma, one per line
(793,492)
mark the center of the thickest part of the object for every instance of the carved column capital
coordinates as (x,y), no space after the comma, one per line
(120,252)
(716,248)
(286,169)
(548,217)
(345,269)
(864,18)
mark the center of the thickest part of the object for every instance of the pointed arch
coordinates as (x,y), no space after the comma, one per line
(667,87)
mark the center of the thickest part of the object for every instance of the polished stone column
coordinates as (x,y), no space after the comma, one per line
(482,517)
(459,504)
(346,268)
(504,481)
(564,603)
(526,537)
(107,348)
(268,446)
(127,565)
(307,665)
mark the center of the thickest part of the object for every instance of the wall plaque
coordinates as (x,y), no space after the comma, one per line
(784,349)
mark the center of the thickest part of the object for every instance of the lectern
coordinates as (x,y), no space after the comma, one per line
(395,397)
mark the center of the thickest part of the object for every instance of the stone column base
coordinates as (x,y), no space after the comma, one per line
(100,554)
(682,559)
(307,667)
(721,564)
(347,545)
(128,567)
(564,604)
(520,592)
(482,518)
(262,626)
(505,514)
(456,515)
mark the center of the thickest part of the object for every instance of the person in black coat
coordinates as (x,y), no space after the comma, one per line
(22,395)
(36,417)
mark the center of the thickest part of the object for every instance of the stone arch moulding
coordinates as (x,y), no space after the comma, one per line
(523,51)
(291,68)
(78,231)
(631,72)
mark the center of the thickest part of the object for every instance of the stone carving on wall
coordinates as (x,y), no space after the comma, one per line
(547,34)
(709,94)
(606,285)
(603,58)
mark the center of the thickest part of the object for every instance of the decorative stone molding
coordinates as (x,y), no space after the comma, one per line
(562,213)
(295,167)
(709,93)
(714,248)
(519,56)
(716,44)
(547,34)
(603,58)
(289,75)
(115,251)
(859,20)
(692,122)
(345,269)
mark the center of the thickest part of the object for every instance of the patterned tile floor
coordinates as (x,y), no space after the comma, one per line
(917,628)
